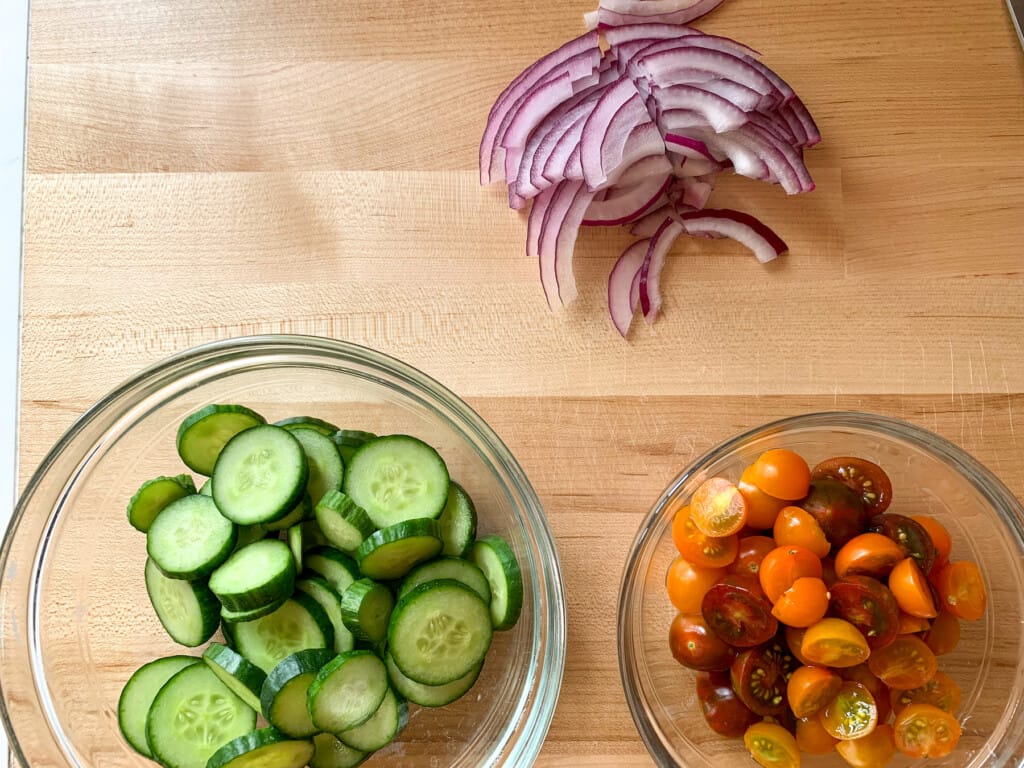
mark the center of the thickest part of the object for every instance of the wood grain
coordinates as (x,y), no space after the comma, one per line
(203,170)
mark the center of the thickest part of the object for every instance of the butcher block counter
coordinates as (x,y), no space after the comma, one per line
(202,169)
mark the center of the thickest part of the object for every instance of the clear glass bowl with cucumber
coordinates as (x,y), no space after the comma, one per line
(280,551)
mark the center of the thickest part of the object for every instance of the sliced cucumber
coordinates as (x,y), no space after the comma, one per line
(260,475)
(391,552)
(347,691)
(138,694)
(365,609)
(243,678)
(188,610)
(154,495)
(383,725)
(321,590)
(283,698)
(439,632)
(430,695)
(349,441)
(312,536)
(295,534)
(249,534)
(202,435)
(207,488)
(255,576)
(300,512)
(339,569)
(192,716)
(190,538)
(331,753)
(230,618)
(326,469)
(342,521)
(307,422)
(300,623)
(498,562)
(396,478)
(448,568)
(457,522)
(265,748)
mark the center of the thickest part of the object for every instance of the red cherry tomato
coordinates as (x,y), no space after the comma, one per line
(722,709)
(694,645)
(863,477)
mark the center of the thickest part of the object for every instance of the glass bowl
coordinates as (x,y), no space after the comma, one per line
(76,617)
(930,476)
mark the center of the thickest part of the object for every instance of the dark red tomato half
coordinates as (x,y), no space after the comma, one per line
(863,477)
(738,612)
(838,510)
(694,645)
(910,536)
(868,605)
(722,708)
(759,677)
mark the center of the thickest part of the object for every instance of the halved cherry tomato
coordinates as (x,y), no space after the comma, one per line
(700,550)
(838,510)
(762,509)
(911,589)
(962,590)
(937,532)
(802,604)
(828,571)
(784,565)
(922,730)
(782,473)
(722,708)
(872,751)
(909,535)
(861,476)
(752,550)
(694,645)
(911,625)
(905,663)
(811,688)
(869,606)
(796,526)
(869,554)
(738,612)
(941,691)
(834,643)
(812,737)
(772,746)
(795,639)
(687,584)
(759,677)
(863,675)
(718,508)
(851,714)
(944,634)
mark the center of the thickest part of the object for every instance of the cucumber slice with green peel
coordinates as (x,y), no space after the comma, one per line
(457,522)
(307,422)
(243,678)
(250,534)
(498,562)
(439,631)
(154,495)
(138,694)
(349,441)
(391,552)
(331,753)
(396,478)
(265,748)
(382,727)
(295,534)
(187,610)
(343,522)
(230,618)
(300,513)
(260,475)
(321,590)
(365,609)
(283,698)
(204,433)
(430,695)
(339,569)
(347,691)
(255,576)
(447,568)
(192,716)
(299,623)
(190,538)
(326,469)
(207,488)
(312,536)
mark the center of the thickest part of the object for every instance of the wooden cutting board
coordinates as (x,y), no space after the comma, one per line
(200,170)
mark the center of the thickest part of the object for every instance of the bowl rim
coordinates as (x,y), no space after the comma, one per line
(535,721)
(979,476)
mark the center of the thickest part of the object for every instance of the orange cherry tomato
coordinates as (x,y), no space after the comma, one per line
(797,526)
(904,664)
(812,737)
(687,584)
(872,751)
(940,536)
(772,746)
(911,625)
(752,550)
(941,691)
(718,508)
(861,674)
(834,643)
(923,730)
(702,551)
(911,589)
(811,688)
(783,474)
(802,604)
(962,590)
(795,639)
(868,554)
(944,634)
(762,509)
(784,565)
(851,714)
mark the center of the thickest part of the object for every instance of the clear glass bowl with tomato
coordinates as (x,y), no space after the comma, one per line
(737,611)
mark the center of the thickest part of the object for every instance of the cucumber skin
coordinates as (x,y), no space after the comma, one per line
(250,742)
(351,608)
(300,663)
(230,662)
(510,568)
(194,418)
(430,695)
(419,528)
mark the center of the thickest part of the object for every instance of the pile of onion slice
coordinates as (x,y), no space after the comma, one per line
(630,124)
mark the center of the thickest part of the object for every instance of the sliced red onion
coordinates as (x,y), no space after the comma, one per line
(555,165)
(686,64)
(565,245)
(796,110)
(619,37)
(716,111)
(555,218)
(738,226)
(591,19)
(695,192)
(537,106)
(628,205)
(743,97)
(774,125)
(644,141)
(642,169)
(535,222)
(648,224)
(634,292)
(654,261)
(620,283)
(609,126)
(610,18)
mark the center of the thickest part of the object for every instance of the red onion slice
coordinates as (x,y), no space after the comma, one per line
(565,246)
(654,262)
(608,128)
(721,114)
(738,226)
(535,222)
(647,225)
(555,217)
(695,192)
(686,64)
(642,169)
(620,284)
(610,18)
(629,205)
